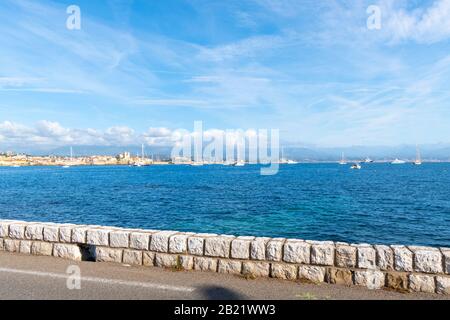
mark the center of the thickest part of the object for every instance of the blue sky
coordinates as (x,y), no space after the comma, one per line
(142,69)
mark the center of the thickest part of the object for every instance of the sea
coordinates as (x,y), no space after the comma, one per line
(379,204)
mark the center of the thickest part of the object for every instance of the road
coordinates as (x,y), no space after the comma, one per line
(33,277)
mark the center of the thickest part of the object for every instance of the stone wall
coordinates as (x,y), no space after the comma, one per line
(403,268)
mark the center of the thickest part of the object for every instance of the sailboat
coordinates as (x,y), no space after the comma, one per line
(418,160)
(342,162)
(71,157)
(142,162)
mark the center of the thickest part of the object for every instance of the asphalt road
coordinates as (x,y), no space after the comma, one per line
(32,277)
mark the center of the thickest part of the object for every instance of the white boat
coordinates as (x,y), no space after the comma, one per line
(240,163)
(343,162)
(142,162)
(71,159)
(356,166)
(16,166)
(368,160)
(397,161)
(284,160)
(418,160)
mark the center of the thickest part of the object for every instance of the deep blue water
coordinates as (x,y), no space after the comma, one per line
(381,203)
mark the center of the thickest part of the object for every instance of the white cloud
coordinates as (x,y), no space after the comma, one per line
(48,133)
(17,81)
(429,25)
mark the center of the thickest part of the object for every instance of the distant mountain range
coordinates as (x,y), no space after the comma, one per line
(430,152)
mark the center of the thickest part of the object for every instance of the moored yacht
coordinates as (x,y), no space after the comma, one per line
(240,163)
(398,161)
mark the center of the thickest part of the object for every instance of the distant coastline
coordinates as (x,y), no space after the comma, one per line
(124,159)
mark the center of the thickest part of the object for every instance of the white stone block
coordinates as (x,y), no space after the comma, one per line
(297,252)
(205,264)
(403,258)
(427,260)
(108,255)
(25,247)
(165,260)
(51,233)
(11,245)
(258,248)
(284,271)
(196,245)
(79,234)
(370,278)
(65,233)
(421,283)
(218,246)
(240,248)
(366,257)
(148,258)
(229,266)
(443,285)
(446,257)
(322,254)
(178,243)
(119,239)
(312,273)
(346,256)
(98,237)
(385,257)
(160,241)
(140,240)
(132,257)
(187,262)
(4,228)
(42,248)
(34,232)
(17,231)
(67,251)
(274,249)
(256,268)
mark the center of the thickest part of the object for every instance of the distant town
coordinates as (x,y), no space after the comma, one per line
(12,159)
(125,158)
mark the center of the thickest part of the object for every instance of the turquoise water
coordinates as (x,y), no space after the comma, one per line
(381,203)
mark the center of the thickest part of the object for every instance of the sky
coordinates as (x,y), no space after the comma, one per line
(145,70)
